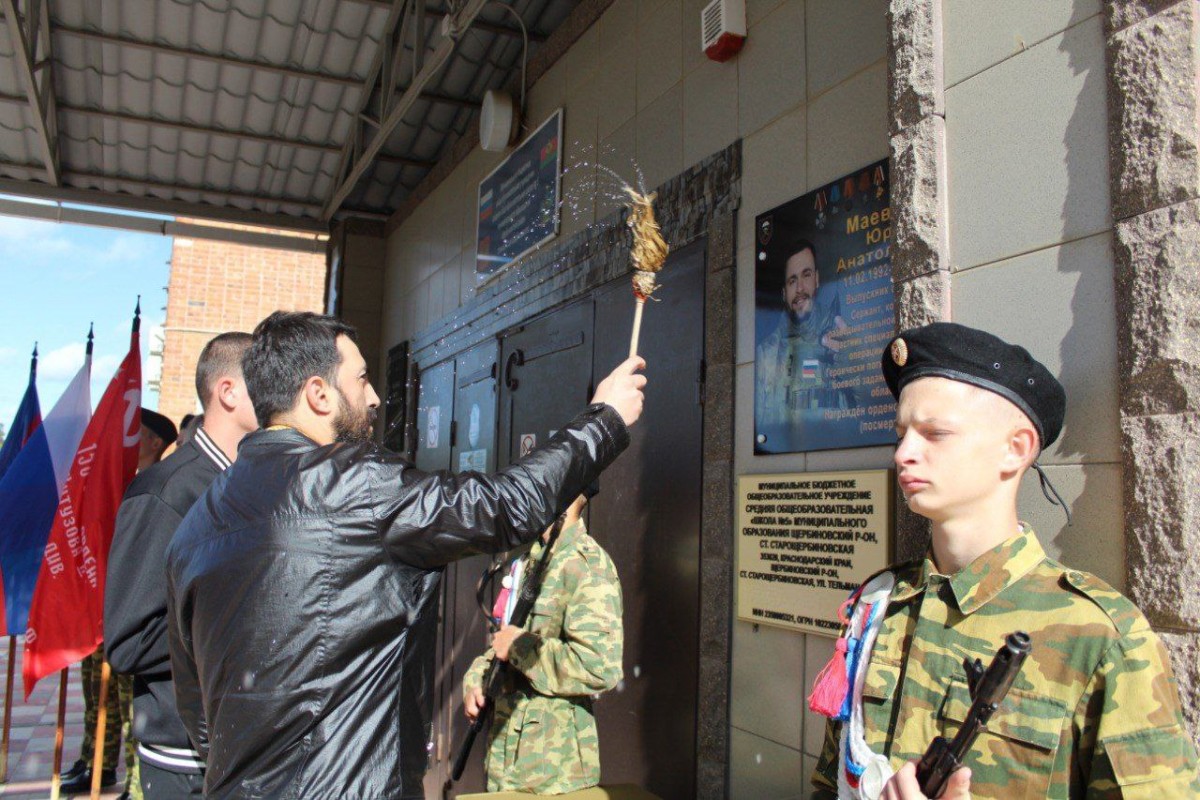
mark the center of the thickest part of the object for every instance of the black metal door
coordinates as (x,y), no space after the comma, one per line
(435,411)
(546,373)
(647,516)
(473,449)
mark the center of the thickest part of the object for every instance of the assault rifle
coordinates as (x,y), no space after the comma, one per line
(493,679)
(988,689)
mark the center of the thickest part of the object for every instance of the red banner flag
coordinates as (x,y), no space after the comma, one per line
(66,617)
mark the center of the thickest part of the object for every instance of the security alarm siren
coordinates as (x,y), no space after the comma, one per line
(723,28)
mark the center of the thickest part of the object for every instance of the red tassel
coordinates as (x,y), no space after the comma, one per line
(501,602)
(831,685)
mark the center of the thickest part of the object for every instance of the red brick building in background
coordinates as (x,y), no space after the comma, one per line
(216,287)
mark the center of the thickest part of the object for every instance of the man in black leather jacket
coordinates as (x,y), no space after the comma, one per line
(302,588)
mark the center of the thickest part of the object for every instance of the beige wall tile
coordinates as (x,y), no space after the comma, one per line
(771,73)
(689,39)
(980,35)
(618,23)
(618,153)
(581,116)
(660,57)
(1095,540)
(853,459)
(847,126)
(660,138)
(710,110)
(616,85)
(1027,150)
(764,659)
(760,769)
(757,10)
(817,652)
(1057,303)
(583,59)
(842,39)
(548,94)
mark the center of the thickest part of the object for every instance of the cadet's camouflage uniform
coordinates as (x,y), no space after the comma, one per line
(1094,712)
(543,736)
(116,722)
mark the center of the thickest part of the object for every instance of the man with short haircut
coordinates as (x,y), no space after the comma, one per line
(135,602)
(791,362)
(1094,711)
(303,588)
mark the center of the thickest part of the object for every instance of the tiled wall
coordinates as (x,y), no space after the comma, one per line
(1029,227)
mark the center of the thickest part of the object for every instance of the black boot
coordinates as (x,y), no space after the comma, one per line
(81,782)
(79,766)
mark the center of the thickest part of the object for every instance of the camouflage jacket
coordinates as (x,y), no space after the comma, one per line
(1094,712)
(543,735)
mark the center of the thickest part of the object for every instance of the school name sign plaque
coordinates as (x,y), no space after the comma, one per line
(806,541)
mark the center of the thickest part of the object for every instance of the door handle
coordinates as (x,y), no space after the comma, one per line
(516,359)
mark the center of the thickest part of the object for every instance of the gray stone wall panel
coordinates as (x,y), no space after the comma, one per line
(1158,286)
(1162,471)
(923,300)
(1122,14)
(1154,126)
(1184,649)
(920,235)
(916,87)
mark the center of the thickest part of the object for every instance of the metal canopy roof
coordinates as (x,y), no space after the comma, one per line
(277,112)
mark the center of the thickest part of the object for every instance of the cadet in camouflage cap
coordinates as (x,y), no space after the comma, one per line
(571,652)
(1094,712)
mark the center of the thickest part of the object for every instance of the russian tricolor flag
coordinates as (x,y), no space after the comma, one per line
(27,420)
(29,494)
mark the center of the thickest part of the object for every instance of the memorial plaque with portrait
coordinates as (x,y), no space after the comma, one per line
(823,313)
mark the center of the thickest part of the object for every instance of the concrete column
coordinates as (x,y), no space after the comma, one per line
(920,228)
(1153,55)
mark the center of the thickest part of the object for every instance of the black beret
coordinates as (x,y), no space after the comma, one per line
(948,350)
(161,425)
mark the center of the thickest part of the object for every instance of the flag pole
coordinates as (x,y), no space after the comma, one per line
(56,778)
(101,721)
(12,653)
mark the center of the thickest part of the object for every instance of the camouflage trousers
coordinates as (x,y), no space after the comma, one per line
(118,720)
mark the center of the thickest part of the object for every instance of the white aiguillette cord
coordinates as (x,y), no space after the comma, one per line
(875,770)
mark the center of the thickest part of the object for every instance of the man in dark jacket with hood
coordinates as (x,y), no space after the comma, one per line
(303,586)
(135,598)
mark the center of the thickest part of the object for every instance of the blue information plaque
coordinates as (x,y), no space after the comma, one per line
(519,200)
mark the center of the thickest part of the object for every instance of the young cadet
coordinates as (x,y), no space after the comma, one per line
(1094,711)
(543,735)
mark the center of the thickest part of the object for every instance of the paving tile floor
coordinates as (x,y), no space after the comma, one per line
(31,741)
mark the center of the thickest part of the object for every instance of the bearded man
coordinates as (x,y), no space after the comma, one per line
(791,362)
(302,588)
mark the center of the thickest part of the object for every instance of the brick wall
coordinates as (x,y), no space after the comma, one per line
(218,286)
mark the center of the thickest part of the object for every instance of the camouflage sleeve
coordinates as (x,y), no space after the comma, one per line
(824,777)
(1133,741)
(586,658)
(474,676)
